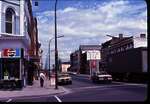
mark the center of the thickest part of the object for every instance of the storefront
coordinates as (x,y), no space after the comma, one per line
(12,73)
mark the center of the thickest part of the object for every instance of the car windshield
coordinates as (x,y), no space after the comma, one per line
(63,75)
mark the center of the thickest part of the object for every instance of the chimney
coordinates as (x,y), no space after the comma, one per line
(142,36)
(120,35)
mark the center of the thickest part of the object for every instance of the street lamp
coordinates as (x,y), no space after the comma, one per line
(49,51)
(56,51)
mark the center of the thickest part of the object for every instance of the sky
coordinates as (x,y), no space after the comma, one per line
(85,22)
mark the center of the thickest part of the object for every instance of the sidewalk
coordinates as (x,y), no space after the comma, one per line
(33,90)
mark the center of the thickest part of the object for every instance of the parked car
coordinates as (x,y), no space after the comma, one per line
(64,78)
(102,77)
(72,73)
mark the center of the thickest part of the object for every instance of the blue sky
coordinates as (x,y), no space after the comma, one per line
(88,22)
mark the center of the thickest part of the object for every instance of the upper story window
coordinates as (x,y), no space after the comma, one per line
(10,21)
(118,50)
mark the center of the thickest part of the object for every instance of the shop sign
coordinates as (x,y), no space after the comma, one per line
(11,53)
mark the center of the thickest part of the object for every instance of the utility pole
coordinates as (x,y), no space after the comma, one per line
(56,51)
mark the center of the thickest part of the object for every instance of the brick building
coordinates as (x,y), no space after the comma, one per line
(82,60)
(18,41)
(124,56)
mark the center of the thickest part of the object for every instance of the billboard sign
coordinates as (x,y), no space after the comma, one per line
(11,53)
(93,55)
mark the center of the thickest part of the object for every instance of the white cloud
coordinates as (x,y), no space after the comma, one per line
(90,25)
(69,9)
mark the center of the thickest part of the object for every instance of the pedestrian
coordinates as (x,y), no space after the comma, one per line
(42,77)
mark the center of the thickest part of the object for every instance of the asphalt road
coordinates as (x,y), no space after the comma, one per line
(83,90)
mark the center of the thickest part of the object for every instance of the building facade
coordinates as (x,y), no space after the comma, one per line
(75,61)
(86,60)
(16,40)
(125,55)
(65,66)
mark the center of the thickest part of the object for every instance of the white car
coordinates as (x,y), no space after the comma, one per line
(102,77)
(64,78)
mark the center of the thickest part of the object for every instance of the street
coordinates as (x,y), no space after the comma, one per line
(83,90)
(44,42)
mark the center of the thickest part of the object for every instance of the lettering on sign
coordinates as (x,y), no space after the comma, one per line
(11,52)
(93,55)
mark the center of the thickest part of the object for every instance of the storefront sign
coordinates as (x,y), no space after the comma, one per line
(11,53)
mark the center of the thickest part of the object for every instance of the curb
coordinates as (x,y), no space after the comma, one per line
(24,96)
(131,83)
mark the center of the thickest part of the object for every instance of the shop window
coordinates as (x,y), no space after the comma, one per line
(10,68)
(10,20)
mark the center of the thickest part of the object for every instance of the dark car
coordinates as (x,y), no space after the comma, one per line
(64,78)
(102,77)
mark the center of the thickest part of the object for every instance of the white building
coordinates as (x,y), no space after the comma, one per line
(14,38)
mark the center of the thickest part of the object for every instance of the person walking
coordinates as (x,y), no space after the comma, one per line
(42,77)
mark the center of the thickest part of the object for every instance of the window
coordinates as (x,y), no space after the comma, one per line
(127,47)
(122,49)
(110,59)
(131,45)
(118,50)
(10,68)
(111,52)
(9,20)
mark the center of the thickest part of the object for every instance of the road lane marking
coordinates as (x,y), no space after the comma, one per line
(136,84)
(57,98)
(9,100)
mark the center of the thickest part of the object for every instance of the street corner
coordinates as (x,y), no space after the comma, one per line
(64,90)
(60,91)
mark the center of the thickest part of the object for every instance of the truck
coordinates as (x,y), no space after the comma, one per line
(97,74)
(129,66)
